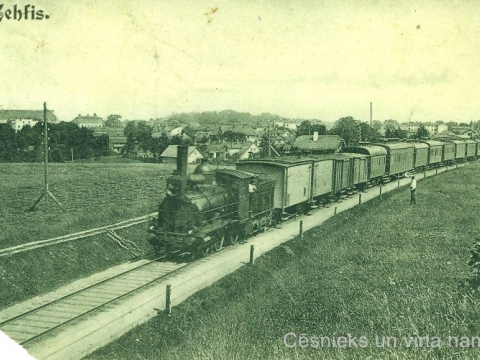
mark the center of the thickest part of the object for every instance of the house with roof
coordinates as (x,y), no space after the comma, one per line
(170,154)
(116,137)
(463,130)
(17,119)
(88,121)
(249,132)
(243,151)
(318,144)
(217,151)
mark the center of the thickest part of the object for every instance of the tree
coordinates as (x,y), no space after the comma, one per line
(158,145)
(347,129)
(113,120)
(308,128)
(139,134)
(397,133)
(8,144)
(369,133)
(422,132)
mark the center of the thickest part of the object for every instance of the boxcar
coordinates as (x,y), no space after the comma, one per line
(400,158)
(435,152)
(471,153)
(460,149)
(376,160)
(293,180)
(420,156)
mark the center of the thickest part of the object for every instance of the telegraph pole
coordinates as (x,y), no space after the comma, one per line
(371,119)
(46,193)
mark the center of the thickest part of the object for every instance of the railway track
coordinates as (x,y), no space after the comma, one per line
(70,237)
(48,317)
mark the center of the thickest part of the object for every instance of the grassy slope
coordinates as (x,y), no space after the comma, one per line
(94,195)
(382,269)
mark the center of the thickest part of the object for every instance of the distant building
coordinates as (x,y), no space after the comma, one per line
(19,118)
(285,125)
(463,130)
(243,151)
(217,151)
(170,154)
(319,144)
(89,121)
(176,131)
(432,128)
(116,137)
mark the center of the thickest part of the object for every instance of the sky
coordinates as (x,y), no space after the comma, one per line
(414,60)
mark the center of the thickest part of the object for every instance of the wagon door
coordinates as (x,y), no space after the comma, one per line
(322,178)
(299,179)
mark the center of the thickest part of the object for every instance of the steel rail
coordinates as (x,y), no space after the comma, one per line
(91,309)
(75,236)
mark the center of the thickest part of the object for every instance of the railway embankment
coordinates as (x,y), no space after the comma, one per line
(384,279)
(209,272)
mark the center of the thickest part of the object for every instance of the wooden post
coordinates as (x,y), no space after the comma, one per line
(301,229)
(424,174)
(252,248)
(436,171)
(398,184)
(359,198)
(168,301)
(335,213)
(46,192)
(380,190)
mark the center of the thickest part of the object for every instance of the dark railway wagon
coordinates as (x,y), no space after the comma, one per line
(357,172)
(448,153)
(460,149)
(376,160)
(400,158)
(421,156)
(471,152)
(435,152)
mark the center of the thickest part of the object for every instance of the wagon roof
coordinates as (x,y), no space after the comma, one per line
(434,143)
(282,162)
(237,173)
(470,141)
(368,150)
(340,156)
(419,145)
(458,142)
(397,146)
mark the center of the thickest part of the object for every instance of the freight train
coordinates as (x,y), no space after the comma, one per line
(207,210)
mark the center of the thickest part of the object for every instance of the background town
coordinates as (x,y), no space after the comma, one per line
(225,136)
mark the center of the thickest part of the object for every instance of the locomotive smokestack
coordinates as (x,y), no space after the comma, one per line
(182,160)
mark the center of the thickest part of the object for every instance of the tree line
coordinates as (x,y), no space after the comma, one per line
(64,139)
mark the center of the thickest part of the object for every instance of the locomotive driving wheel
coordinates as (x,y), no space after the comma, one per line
(233,236)
(218,241)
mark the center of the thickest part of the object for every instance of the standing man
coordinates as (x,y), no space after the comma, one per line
(413,187)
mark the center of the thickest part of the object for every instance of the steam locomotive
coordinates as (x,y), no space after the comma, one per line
(206,210)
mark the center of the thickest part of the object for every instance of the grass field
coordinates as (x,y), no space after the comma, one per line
(94,194)
(382,269)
